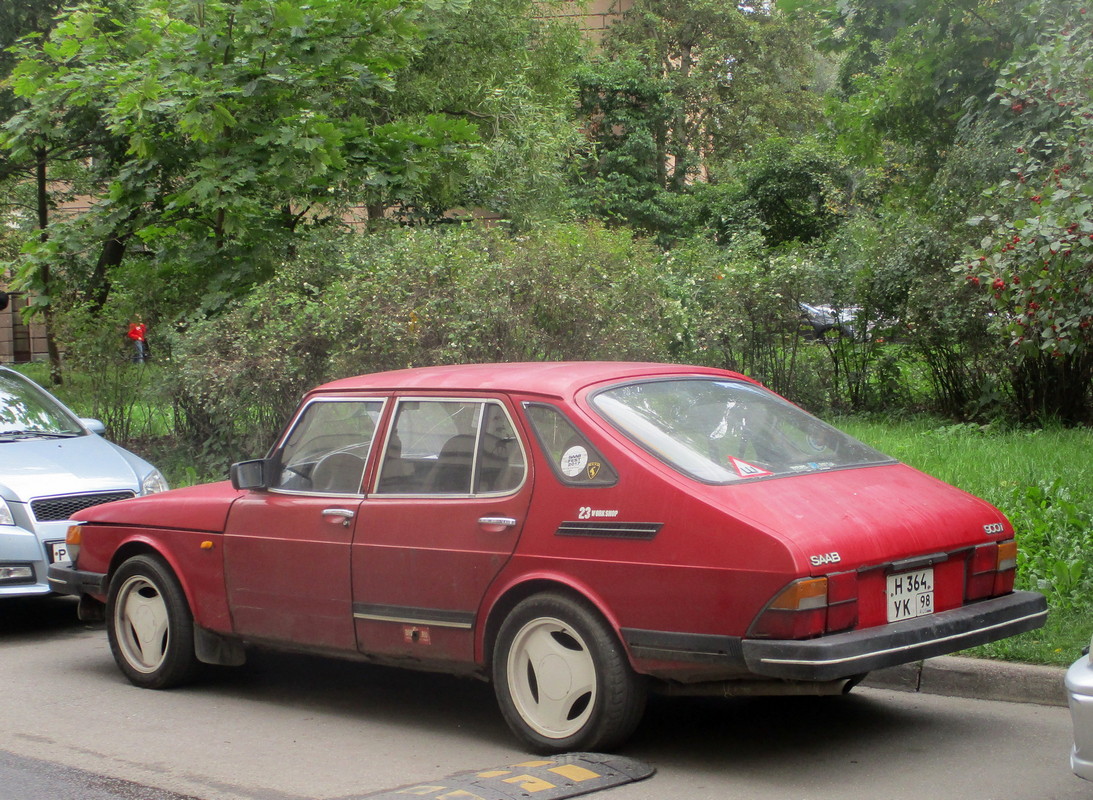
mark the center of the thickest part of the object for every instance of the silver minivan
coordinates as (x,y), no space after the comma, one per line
(53,465)
(1079,689)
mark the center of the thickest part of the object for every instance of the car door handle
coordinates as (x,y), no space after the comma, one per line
(503,522)
(345,514)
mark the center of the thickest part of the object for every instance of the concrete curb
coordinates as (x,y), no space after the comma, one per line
(976,678)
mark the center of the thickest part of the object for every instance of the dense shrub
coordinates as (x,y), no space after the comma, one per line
(415,297)
(349,303)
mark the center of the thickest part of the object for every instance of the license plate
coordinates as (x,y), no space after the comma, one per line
(910,594)
(58,551)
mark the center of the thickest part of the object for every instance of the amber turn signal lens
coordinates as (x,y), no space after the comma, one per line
(801,595)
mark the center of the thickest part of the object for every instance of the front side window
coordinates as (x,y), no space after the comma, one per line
(451,447)
(328,447)
(722,431)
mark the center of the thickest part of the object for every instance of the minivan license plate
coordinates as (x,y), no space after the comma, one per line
(910,594)
(58,551)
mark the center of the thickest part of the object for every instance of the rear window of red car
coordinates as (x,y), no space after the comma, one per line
(724,431)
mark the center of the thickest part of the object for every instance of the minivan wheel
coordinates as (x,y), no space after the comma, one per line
(149,624)
(562,678)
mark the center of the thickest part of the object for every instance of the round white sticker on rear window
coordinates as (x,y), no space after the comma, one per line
(574,461)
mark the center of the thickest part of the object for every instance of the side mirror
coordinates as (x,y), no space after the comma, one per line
(250,474)
(93,425)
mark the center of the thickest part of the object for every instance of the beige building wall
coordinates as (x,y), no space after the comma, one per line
(19,342)
(7,337)
(593,16)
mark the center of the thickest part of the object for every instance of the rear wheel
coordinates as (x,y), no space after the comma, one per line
(562,679)
(149,624)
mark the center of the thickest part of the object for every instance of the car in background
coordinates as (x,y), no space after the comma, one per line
(822,319)
(53,465)
(1079,689)
(576,533)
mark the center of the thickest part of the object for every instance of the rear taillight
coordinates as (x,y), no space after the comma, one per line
(991,569)
(810,607)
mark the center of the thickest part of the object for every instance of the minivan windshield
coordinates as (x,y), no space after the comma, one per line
(26,411)
(724,431)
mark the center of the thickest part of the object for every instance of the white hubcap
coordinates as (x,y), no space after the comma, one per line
(141,624)
(552,678)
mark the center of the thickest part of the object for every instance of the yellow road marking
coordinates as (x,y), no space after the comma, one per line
(574,772)
(529,783)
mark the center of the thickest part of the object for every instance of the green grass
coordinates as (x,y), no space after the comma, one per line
(986,462)
(1043,481)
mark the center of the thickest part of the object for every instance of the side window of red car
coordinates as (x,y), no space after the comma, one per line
(451,447)
(328,447)
(572,457)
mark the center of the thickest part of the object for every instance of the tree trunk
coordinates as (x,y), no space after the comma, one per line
(46,279)
(375,213)
(111,255)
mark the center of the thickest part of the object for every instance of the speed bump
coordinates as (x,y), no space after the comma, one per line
(555,778)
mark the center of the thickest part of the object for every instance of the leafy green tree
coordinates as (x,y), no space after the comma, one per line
(623,176)
(789,191)
(911,70)
(19,18)
(215,129)
(1036,259)
(506,68)
(925,109)
(23,195)
(681,82)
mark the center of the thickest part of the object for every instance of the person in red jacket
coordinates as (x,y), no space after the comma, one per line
(138,334)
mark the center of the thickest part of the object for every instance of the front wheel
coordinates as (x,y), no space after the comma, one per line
(149,624)
(562,679)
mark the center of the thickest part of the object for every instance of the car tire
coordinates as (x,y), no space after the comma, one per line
(149,624)
(562,678)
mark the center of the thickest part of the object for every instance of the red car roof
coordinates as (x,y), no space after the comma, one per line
(554,378)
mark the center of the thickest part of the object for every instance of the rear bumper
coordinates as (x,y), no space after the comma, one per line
(856,652)
(65,579)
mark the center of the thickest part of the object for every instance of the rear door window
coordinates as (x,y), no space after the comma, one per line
(452,448)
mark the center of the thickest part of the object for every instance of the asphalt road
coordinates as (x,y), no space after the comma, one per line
(293,727)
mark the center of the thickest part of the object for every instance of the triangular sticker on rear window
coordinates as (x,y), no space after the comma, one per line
(746,470)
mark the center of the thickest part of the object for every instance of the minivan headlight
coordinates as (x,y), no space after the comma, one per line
(153,482)
(5,513)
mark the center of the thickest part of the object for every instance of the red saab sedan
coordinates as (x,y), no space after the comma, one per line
(577,533)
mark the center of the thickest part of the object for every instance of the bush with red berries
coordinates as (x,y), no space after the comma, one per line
(1036,261)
